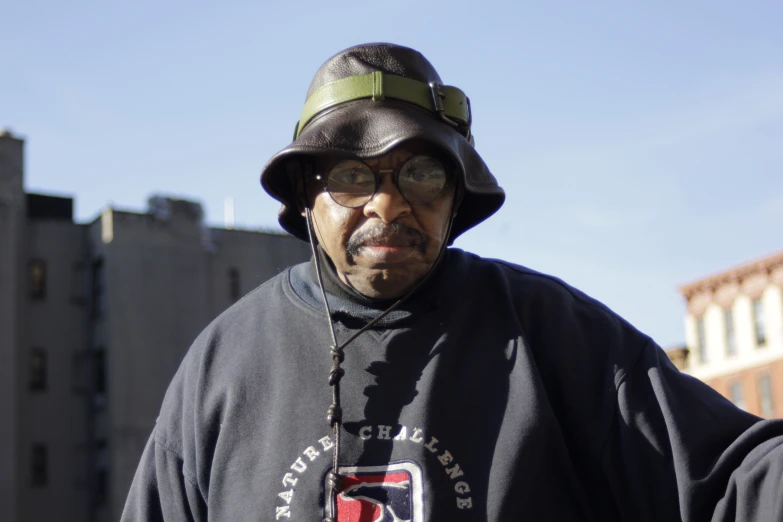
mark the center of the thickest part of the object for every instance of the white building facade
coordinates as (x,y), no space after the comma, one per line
(734,334)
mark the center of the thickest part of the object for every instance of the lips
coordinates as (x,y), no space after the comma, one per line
(388,242)
(384,255)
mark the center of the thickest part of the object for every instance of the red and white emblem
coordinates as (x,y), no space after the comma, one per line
(391,493)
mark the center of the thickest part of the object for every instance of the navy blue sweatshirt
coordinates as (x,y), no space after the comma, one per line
(494,394)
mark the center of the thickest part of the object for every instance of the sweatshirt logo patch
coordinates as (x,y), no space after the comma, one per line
(391,493)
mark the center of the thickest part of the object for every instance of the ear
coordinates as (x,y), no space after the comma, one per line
(459,192)
(300,184)
(297,175)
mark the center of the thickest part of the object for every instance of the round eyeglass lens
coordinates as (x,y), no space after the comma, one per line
(351,183)
(421,179)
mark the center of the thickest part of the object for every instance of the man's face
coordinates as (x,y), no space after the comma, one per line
(383,247)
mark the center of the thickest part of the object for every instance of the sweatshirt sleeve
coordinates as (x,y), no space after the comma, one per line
(678,450)
(161,491)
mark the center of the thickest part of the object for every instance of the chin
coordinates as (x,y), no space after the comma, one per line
(388,284)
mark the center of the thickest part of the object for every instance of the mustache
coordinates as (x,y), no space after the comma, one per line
(395,234)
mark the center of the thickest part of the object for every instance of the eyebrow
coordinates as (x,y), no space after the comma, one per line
(374,161)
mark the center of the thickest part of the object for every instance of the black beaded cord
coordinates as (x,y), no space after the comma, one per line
(334,415)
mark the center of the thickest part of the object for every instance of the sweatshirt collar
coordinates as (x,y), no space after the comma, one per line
(347,304)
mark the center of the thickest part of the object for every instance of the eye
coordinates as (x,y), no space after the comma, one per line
(423,169)
(418,175)
(351,176)
(357,176)
(352,173)
(422,179)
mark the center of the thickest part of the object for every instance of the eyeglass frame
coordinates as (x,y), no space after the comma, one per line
(323,177)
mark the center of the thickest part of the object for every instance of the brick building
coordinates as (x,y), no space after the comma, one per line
(734,334)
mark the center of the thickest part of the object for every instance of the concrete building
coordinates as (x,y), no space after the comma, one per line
(734,334)
(94,320)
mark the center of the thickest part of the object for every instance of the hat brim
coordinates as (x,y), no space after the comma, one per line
(366,129)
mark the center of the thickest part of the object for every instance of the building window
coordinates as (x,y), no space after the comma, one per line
(39,465)
(758,323)
(233,284)
(78,285)
(37,279)
(731,340)
(38,372)
(701,340)
(101,487)
(79,466)
(736,395)
(101,490)
(99,371)
(766,403)
(98,286)
(80,371)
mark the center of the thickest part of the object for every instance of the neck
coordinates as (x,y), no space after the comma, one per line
(333,283)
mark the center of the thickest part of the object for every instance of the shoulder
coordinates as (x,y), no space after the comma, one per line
(531,284)
(266,302)
(235,333)
(546,304)
(222,355)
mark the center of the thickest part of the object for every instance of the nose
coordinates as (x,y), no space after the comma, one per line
(388,204)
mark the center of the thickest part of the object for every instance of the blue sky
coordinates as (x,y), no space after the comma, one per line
(639,145)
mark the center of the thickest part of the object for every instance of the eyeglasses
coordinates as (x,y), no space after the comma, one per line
(352,183)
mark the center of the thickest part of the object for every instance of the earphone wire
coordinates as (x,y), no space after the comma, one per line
(337,351)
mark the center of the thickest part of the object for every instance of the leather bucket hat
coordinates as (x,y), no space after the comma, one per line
(366,100)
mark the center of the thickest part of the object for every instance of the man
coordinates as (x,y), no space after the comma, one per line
(393,379)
